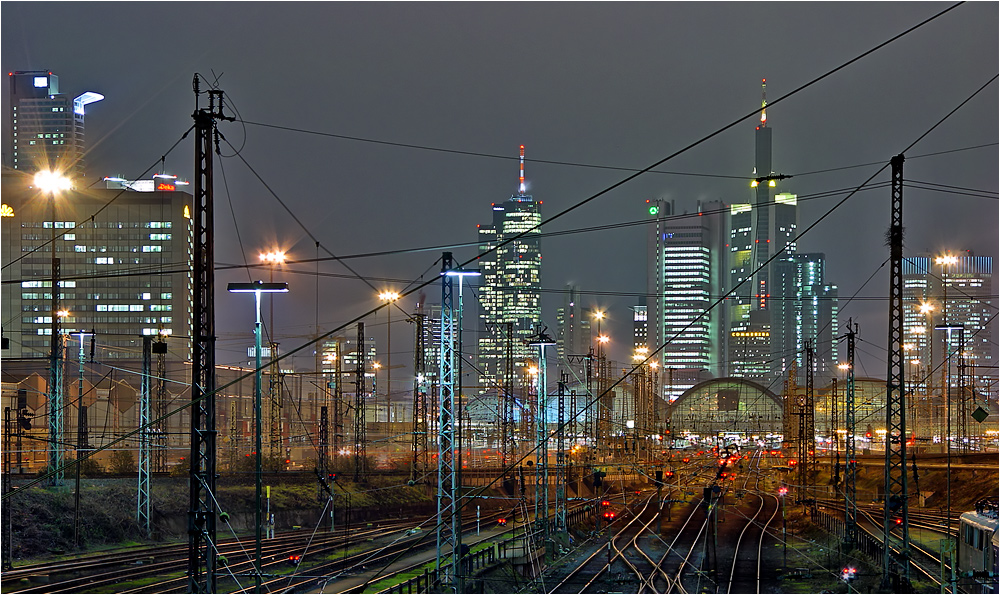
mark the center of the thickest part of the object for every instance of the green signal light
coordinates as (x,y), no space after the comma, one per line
(654,210)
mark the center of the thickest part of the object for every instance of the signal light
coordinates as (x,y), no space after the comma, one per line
(605,503)
(294,559)
(609,515)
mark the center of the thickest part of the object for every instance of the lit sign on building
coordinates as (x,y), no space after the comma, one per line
(6,211)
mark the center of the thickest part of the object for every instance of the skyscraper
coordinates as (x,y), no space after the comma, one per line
(758,229)
(511,289)
(47,127)
(805,310)
(687,263)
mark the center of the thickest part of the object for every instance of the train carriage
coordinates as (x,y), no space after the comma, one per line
(977,548)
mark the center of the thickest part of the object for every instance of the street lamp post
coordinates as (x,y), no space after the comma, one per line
(541,340)
(257,288)
(52,183)
(390,297)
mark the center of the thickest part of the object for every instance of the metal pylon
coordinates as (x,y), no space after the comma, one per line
(55,396)
(810,415)
(360,428)
(505,409)
(274,407)
(449,520)
(561,455)
(159,450)
(202,504)
(419,442)
(851,453)
(145,398)
(896,567)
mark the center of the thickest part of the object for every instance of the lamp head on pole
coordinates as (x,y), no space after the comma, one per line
(256,286)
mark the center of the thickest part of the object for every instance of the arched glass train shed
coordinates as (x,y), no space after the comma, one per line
(726,405)
(740,406)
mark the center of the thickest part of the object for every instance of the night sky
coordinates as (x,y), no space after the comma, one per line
(597,84)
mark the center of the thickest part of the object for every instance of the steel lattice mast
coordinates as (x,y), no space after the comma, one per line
(360,429)
(449,521)
(202,508)
(508,446)
(55,396)
(851,452)
(561,456)
(159,450)
(419,443)
(145,407)
(896,567)
(274,405)
(541,340)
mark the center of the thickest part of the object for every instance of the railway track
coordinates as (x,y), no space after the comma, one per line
(107,570)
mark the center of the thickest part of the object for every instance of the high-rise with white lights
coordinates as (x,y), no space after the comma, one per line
(47,127)
(511,283)
(687,271)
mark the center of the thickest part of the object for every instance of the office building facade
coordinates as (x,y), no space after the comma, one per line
(955,291)
(125,261)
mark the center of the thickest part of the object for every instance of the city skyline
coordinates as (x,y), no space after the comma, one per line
(604,265)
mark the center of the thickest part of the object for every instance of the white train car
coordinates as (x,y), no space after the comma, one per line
(977,548)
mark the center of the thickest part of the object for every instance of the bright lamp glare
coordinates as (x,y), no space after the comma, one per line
(52,182)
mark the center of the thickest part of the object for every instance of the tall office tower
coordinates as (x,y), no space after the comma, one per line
(640,329)
(511,286)
(805,310)
(687,272)
(955,291)
(573,332)
(758,229)
(125,264)
(46,126)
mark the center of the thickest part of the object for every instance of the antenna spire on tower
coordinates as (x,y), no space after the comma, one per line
(520,187)
(763,102)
